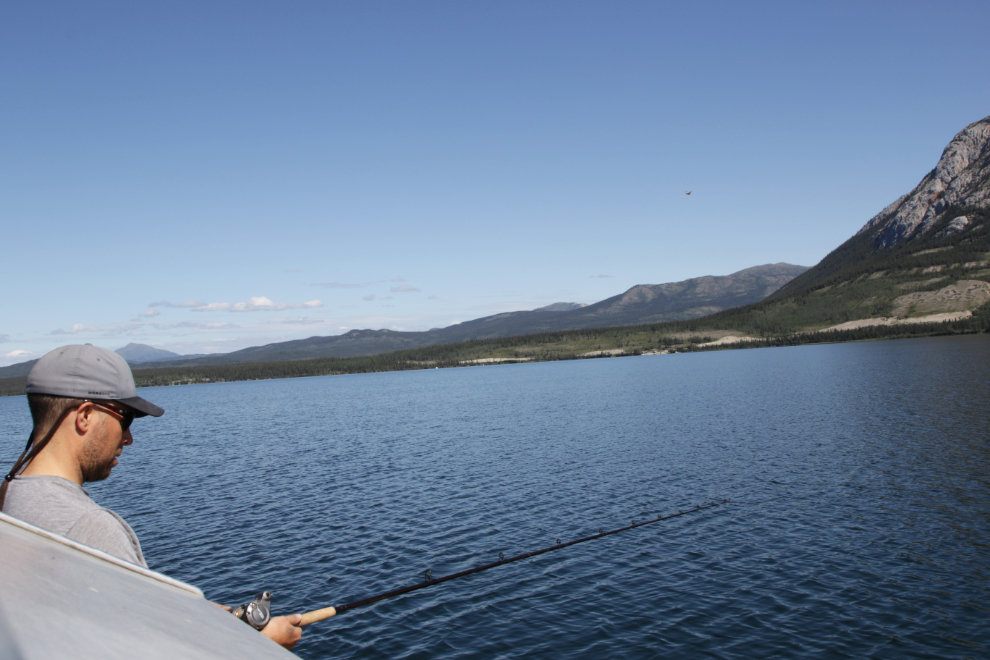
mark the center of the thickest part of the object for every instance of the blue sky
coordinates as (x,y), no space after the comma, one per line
(206,176)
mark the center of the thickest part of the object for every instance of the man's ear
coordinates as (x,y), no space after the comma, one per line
(85,418)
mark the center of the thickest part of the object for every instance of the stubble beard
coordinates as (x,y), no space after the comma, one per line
(98,458)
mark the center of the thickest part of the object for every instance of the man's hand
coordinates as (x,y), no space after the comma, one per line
(284,630)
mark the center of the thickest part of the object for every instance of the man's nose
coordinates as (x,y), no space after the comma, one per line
(128,438)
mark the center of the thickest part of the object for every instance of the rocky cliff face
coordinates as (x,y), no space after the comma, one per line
(961,178)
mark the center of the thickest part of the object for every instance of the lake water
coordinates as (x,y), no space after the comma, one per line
(858,474)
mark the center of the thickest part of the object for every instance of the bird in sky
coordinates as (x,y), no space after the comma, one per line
(687,192)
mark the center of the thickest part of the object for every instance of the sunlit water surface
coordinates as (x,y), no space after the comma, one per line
(858,474)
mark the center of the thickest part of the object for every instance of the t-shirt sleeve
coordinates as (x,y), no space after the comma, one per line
(106,531)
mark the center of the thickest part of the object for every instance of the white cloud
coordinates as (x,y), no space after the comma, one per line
(346,285)
(433,298)
(79,327)
(300,320)
(149,313)
(256,304)
(14,354)
(405,288)
(370,296)
(213,307)
(595,277)
(192,325)
(188,303)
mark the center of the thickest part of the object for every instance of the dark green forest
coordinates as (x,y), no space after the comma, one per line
(857,256)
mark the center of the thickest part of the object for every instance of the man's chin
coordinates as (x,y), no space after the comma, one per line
(98,473)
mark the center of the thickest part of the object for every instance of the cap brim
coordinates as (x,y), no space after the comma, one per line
(142,407)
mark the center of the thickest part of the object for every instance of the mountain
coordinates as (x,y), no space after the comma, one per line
(926,254)
(959,179)
(678,301)
(943,212)
(645,303)
(352,343)
(134,354)
(138,353)
(560,307)
(20,369)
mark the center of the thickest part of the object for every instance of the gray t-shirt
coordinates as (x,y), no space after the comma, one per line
(63,507)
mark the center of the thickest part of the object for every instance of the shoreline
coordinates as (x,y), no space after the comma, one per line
(624,343)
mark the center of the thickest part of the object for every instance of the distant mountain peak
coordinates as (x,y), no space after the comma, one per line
(560,307)
(961,178)
(641,293)
(138,353)
(364,332)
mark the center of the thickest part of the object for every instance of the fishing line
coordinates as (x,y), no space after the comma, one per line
(327,612)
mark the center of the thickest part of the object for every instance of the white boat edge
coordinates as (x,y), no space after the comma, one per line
(60,599)
(161,577)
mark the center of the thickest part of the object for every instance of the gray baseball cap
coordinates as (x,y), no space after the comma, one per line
(84,371)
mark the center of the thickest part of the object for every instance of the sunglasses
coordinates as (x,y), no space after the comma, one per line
(126,416)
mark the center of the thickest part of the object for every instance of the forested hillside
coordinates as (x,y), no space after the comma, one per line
(645,303)
(595,343)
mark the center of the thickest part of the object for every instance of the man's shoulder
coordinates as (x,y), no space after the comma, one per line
(100,517)
(52,503)
(105,530)
(45,485)
(63,507)
(100,523)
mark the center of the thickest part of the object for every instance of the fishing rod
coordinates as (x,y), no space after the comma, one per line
(327,612)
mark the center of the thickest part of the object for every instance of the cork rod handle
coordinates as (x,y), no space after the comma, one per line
(317,615)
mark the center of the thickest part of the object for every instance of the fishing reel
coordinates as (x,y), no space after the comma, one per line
(258,612)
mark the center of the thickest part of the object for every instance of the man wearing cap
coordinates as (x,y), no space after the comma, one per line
(82,401)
